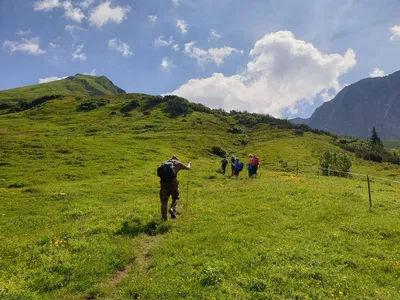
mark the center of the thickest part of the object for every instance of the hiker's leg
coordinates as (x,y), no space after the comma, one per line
(164,195)
(175,195)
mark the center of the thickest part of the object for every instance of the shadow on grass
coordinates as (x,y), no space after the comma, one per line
(137,227)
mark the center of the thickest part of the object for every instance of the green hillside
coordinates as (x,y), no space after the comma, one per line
(84,85)
(392,144)
(80,207)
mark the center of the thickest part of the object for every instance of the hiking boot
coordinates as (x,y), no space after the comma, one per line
(164,219)
(172,213)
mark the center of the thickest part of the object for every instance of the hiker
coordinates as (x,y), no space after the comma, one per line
(169,185)
(255,163)
(250,165)
(233,161)
(224,163)
(238,167)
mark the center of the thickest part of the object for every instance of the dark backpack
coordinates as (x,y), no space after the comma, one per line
(239,166)
(166,172)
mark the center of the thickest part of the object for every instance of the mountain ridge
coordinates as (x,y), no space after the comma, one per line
(357,108)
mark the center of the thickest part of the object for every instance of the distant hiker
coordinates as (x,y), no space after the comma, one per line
(255,163)
(169,185)
(238,167)
(233,161)
(250,165)
(224,163)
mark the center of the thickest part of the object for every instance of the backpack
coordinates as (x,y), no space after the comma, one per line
(239,166)
(256,161)
(166,172)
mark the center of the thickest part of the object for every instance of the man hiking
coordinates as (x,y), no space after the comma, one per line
(233,161)
(169,185)
(255,163)
(238,167)
(224,163)
(250,165)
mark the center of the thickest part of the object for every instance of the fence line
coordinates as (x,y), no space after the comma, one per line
(342,172)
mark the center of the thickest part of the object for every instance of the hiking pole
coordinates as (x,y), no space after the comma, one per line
(187,189)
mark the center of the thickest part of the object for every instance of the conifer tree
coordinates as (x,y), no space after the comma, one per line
(375,139)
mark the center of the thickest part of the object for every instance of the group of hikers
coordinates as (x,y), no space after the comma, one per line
(237,166)
(169,184)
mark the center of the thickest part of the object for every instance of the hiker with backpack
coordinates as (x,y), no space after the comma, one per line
(238,168)
(233,161)
(169,185)
(250,165)
(224,163)
(255,163)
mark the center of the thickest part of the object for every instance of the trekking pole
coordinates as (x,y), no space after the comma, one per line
(187,190)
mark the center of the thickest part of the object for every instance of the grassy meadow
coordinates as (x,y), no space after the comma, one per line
(80,211)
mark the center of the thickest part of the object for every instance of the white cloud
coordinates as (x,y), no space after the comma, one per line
(85,4)
(214,35)
(78,55)
(21,32)
(167,64)
(213,55)
(282,72)
(395,31)
(175,47)
(31,46)
(53,46)
(71,28)
(46,5)
(377,72)
(177,2)
(119,46)
(182,25)
(73,13)
(160,42)
(50,79)
(92,73)
(104,13)
(152,18)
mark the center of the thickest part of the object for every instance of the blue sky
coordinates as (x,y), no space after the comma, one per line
(279,57)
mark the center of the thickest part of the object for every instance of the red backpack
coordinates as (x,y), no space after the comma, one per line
(255,162)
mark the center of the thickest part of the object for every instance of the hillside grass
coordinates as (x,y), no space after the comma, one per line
(83,85)
(80,211)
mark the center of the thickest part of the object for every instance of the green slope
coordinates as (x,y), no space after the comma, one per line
(80,209)
(83,85)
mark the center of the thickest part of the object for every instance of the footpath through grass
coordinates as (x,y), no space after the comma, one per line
(80,213)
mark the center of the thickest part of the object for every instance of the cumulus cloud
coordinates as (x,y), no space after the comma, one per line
(167,64)
(46,5)
(282,72)
(214,36)
(161,42)
(78,55)
(73,13)
(152,18)
(213,55)
(72,28)
(85,4)
(182,25)
(22,32)
(50,79)
(119,46)
(31,46)
(377,72)
(104,13)
(395,31)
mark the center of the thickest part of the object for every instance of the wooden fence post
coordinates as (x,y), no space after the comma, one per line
(369,193)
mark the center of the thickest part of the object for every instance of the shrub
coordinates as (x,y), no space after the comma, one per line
(91,105)
(218,151)
(130,106)
(177,106)
(335,164)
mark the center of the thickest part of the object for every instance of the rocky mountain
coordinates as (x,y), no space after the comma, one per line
(361,106)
